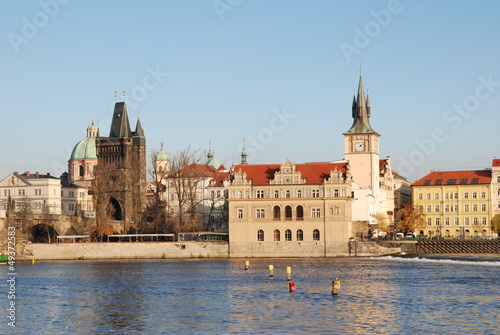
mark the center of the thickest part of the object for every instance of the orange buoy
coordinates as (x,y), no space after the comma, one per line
(291,286)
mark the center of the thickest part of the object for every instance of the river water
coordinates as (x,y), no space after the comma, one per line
(428,295)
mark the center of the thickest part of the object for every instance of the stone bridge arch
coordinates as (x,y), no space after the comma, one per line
(43,233)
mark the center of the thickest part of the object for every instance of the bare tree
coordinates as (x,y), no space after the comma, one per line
(217,213)
(101,184)
(185,183)
(156,210)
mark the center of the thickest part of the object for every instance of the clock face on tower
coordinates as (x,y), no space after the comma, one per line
(359,146)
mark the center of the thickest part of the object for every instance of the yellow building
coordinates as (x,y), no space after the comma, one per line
(455,203)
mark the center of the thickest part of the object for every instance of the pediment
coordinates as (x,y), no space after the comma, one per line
(14,180)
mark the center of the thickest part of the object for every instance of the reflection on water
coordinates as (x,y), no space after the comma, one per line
(435,294)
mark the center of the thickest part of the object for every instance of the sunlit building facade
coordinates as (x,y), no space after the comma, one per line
(455,203)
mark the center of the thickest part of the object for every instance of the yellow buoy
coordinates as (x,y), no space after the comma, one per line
(336,286)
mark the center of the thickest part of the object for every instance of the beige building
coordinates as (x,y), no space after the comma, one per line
(312,209)
(455,203)
(296,210)
(28,195)
(402,194)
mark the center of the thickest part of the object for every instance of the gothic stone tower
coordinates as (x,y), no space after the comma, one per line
(121,170)
(361,147)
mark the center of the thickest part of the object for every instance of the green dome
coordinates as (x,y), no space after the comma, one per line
(85,149)
(162,156)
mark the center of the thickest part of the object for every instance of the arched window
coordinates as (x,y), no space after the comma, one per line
(260,235)
(276,213)
(276,235)
(316,234)
(288,235)
(300,235)
(288,213)
(467,233)
(484,233)
(82,171)
(300,213)
(447,233)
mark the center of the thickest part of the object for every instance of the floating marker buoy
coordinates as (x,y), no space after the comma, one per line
(247,264)
(288,273)
(291,286)
(33,261)
(336,286)
(271,271)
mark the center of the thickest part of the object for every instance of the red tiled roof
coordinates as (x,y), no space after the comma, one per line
(455,178)
(496,162)
(396,175)
(206,171)
(219,178)
(315,173)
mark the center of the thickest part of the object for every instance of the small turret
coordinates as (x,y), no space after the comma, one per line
(244,155)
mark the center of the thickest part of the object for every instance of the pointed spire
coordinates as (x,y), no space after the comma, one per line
(354,105)
(244,154)
(361,93)
(368,105)
(138,129)
(361,112)
(210,154)
(120,126)
(211,160)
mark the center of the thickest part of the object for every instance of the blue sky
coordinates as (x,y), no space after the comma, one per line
(279,72)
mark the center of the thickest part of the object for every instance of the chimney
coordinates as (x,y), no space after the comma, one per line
(27,174)
(37,174)
(48,174)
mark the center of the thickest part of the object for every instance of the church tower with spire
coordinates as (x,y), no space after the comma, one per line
(361,143)
(120,178)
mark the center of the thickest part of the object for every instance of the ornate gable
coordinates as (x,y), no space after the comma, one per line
(287,174)
(336,177)
(240,178)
